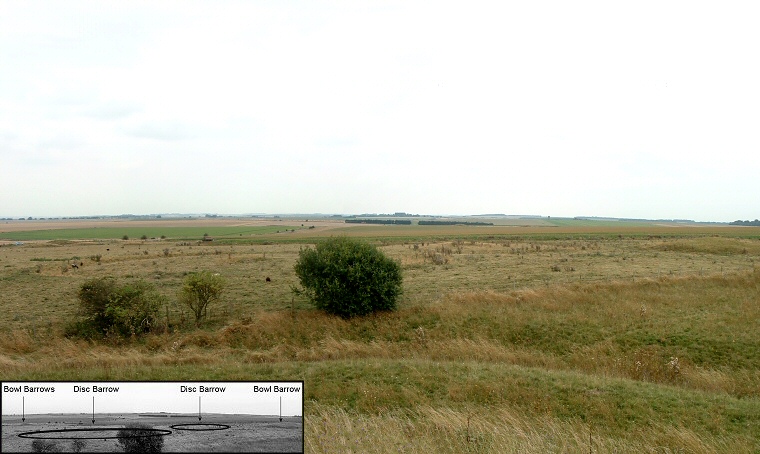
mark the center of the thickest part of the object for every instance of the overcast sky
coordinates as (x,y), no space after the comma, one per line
(624,109)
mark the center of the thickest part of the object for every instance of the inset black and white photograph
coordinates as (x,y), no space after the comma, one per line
(152,417)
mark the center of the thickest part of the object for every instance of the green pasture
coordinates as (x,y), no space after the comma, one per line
(171,233)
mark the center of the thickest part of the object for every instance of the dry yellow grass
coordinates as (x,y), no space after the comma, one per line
(446,430)
(622,329)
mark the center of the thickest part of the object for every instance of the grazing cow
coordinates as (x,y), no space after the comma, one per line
(75,266)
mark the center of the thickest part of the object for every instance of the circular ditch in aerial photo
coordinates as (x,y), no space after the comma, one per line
(200,427)
(93,434)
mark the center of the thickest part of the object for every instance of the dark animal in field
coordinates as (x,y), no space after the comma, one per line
(268,280)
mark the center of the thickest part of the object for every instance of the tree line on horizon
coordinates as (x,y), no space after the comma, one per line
(755,223)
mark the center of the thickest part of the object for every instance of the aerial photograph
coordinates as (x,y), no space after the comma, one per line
(379,226)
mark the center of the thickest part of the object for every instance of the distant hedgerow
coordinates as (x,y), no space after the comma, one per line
(347,277)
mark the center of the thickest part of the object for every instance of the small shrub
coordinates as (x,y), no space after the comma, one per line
(78,445)
(438,259)
(40,445)
(348,277)
(132,439)
(125,237)
(652,364)
(200,290)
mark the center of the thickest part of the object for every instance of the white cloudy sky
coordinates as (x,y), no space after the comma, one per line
(627,109)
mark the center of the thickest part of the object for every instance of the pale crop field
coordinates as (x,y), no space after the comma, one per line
(636,339)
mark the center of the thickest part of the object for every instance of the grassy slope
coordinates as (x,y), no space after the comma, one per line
(413,390)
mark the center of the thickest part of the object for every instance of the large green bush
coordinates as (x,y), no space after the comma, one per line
(348,277)
(112,309)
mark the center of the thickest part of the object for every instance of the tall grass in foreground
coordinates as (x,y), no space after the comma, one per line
(423,404)
(446,430)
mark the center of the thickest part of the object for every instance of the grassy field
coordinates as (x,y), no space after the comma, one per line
(601,339)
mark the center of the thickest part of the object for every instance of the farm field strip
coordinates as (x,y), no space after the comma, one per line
(170,233)
(14,226)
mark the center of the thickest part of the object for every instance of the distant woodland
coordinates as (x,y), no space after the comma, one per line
(755,223)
